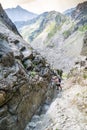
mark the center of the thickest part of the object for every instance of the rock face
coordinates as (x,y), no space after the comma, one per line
(80,13)
(68,111)
(5,19)
(24,79)
(84,48)
(69,11)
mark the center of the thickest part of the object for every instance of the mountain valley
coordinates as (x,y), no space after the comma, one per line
(57,37)
(34,51)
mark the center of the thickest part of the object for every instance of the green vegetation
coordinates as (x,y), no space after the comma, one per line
(60,72)
(64,76)
(33,73)
(52,32)
(85,76)
(66,33)
(25,66)
(52,29)
(83,28)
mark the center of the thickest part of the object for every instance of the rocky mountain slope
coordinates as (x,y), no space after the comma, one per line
(58,37)
(24,78)
(68,110)
(80,13)
(69,11)
(45,24)
(20,14)
(6,21)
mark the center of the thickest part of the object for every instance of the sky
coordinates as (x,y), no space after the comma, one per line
(40,6)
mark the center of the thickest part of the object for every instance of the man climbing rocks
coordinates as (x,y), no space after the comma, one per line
(56,82)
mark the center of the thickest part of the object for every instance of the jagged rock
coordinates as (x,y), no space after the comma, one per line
(22,89)
(4,18)
(35,118)
(2,97)
(82,63)
(84,48)
(27,54)
(28,64)
(6,54)
(80,11)
(18,55)
(45,72)
(32,125)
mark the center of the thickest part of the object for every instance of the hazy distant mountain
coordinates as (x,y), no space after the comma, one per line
(19,14)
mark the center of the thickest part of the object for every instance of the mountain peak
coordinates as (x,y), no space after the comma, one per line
(80,11)
(18,7)
(19,11)
(82,6)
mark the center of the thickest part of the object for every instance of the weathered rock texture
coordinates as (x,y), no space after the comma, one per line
(5,19)
(80,14)
(84,48)
(24,79)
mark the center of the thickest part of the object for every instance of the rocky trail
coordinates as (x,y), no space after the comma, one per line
(61,114)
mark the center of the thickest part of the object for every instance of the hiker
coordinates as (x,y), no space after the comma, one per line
(56,82)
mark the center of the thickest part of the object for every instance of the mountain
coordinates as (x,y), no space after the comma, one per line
(80,13)
(24,78)
(47,34)
(19,14)
(69,11)
(68,111)
(58,37)
(47,23)
(80,10)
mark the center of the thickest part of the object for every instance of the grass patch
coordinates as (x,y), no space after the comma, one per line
(83,28)
(52,32)
(64,76)
(66,33)
(52,29)
(85,76)
(25,66)
(32,73)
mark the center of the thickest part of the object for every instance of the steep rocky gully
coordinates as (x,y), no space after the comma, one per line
(24,78)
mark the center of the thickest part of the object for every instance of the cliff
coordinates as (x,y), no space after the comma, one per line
(5,19)
(24,78)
